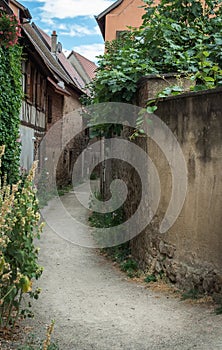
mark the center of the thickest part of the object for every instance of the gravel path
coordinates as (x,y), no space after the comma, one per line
(95,307)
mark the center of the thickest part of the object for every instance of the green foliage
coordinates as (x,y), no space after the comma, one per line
(150,278)
(219,310)
(94,176)
(120,253)
(9,29)
(103,220)
(191,294)
(182,37)
(10,104)
(119,70)
(19,226)
(130,266)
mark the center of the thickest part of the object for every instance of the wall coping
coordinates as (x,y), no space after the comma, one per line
(185,94)
(143,79)
(191,94)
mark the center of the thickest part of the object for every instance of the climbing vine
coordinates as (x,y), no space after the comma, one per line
(10,94)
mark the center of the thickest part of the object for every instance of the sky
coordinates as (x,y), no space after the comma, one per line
(73,21)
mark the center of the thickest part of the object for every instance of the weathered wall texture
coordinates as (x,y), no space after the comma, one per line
(190,253)
(128,13)
(71,146)
(150,85)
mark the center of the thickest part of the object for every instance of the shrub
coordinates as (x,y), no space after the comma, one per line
(19,225)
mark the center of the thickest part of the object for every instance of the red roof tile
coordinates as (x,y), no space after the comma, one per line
(88,66)
(64,62)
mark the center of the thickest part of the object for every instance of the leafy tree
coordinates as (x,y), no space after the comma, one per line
(176,36)
(185,37)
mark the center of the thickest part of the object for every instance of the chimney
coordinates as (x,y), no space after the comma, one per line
(54,43)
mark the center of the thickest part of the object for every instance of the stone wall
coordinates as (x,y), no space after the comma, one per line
(189,254)
(150,85)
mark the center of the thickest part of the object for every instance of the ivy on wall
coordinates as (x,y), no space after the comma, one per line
(10,98)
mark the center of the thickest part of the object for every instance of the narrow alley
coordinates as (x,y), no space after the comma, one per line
(96,307)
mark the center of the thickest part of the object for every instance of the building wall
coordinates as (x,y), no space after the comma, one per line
(189,254)
(76,64)
(27,149)
(71,102)
(72,144)
(126,14)
(14,8)
(67,140)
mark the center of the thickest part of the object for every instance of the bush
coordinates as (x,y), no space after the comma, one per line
(19,225)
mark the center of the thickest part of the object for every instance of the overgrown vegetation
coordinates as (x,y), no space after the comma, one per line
(150,278)
(11,95)
(19,226)
(191,294)
(19,217)
(121,254)
(219,310)
(179,36)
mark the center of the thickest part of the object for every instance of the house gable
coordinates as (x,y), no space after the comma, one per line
(85,68)
(119,16)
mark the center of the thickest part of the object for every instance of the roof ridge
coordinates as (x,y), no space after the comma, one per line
(89,67)
(39,30)
(51,61)
(75,52)
(62,60)
(81,65)
(110,8)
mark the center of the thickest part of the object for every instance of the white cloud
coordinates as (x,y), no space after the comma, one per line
(66,52)
(62,26)
(77,30)
(73,8)
(90,51)
(48,21)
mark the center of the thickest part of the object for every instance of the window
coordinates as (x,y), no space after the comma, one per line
(49,109)
(120,33)
(29,82)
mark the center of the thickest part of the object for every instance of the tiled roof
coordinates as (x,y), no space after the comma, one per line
(24,12)
(44,52)
(73,74)
(88,66)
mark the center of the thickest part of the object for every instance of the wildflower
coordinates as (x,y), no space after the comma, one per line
(10,29)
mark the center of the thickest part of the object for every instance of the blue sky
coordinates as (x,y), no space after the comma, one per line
(73,21)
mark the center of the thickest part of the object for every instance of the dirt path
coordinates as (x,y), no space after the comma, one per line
(95,307)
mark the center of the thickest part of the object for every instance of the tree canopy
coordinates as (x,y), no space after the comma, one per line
(175,37)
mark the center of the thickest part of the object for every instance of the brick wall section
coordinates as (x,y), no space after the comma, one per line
(62,144)
(150,85)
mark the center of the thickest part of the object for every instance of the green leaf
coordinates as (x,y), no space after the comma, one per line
(209,79)
(151,109)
